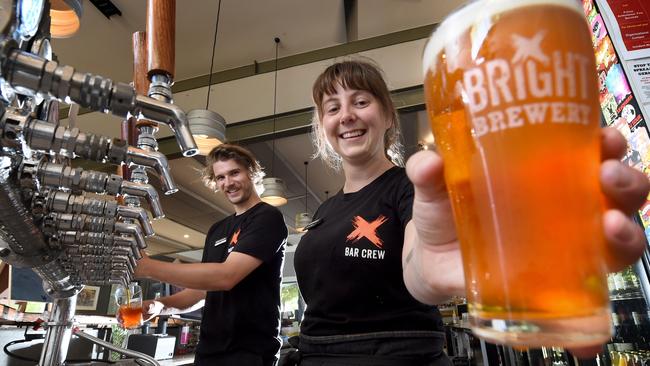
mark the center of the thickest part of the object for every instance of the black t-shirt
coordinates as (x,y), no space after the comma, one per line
(349,266)
(246,318)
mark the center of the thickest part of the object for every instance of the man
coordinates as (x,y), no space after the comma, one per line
(240,274)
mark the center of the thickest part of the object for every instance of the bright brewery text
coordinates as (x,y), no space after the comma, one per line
(364,253)
(508,88)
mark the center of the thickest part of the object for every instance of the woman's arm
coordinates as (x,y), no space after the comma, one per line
(431,261)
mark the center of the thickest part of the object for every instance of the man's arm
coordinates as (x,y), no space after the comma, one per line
(200,276)
(182,302)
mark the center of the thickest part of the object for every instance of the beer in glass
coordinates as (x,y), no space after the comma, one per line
(512,99)
(129,302)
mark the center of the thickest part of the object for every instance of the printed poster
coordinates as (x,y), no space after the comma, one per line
(630,23)
(624,92)
(640,77)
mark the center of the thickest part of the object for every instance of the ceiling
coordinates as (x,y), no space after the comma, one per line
(245,36)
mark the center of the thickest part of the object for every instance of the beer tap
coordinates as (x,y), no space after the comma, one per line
(31,72)
(147,191)
(153,70)
(101,240)
(82,222)
(100,250)
(65,202)
(70,142)
(79,180)
(138,213)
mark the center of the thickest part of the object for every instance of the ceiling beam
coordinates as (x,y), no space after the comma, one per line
(290,123)
(327,53)
(262,129)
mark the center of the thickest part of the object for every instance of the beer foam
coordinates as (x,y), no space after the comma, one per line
(473,13)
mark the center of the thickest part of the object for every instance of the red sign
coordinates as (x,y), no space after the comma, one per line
(633,17)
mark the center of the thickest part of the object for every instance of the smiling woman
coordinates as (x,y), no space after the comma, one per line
(349,266)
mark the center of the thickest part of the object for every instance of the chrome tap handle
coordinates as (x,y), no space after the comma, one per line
(147,191)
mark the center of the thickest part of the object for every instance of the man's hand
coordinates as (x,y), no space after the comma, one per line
(142,270)
(151,309)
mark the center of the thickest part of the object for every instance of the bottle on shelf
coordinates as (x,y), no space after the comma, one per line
(619,284)
(631,281)
(621,339)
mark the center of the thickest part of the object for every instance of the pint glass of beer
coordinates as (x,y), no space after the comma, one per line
(512,98)
(129,302)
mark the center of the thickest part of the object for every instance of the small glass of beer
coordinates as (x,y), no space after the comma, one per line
(129,302)
(512,98)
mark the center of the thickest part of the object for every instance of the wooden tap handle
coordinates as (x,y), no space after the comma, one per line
(161,29)
(140,79)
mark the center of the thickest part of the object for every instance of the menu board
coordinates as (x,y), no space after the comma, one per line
(620,107)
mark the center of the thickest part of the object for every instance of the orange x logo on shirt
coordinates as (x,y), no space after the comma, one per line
(234,238)
(368,230)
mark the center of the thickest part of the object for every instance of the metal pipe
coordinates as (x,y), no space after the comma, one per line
(59,330)
(56,281)
(112,347)
(25,245)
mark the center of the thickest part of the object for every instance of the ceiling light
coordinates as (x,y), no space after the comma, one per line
(186,236)
(303,218)
(65,16)
(274,190)
(207,127)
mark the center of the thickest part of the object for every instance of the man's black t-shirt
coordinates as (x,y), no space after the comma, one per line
(349,265)
(246,318)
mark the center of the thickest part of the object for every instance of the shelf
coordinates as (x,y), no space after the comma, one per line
(629,296)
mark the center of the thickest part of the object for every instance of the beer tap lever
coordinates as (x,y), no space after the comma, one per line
(147,191)
(138,213)
(155,160)
(133,229)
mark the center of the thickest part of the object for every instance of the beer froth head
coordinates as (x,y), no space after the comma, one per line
(476,18)
(508,74)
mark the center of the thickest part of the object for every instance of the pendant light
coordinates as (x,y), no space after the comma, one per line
(65,17)
(207,127)
(303,218)
(274,189)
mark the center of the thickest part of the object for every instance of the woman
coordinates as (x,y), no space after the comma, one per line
(358,265)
